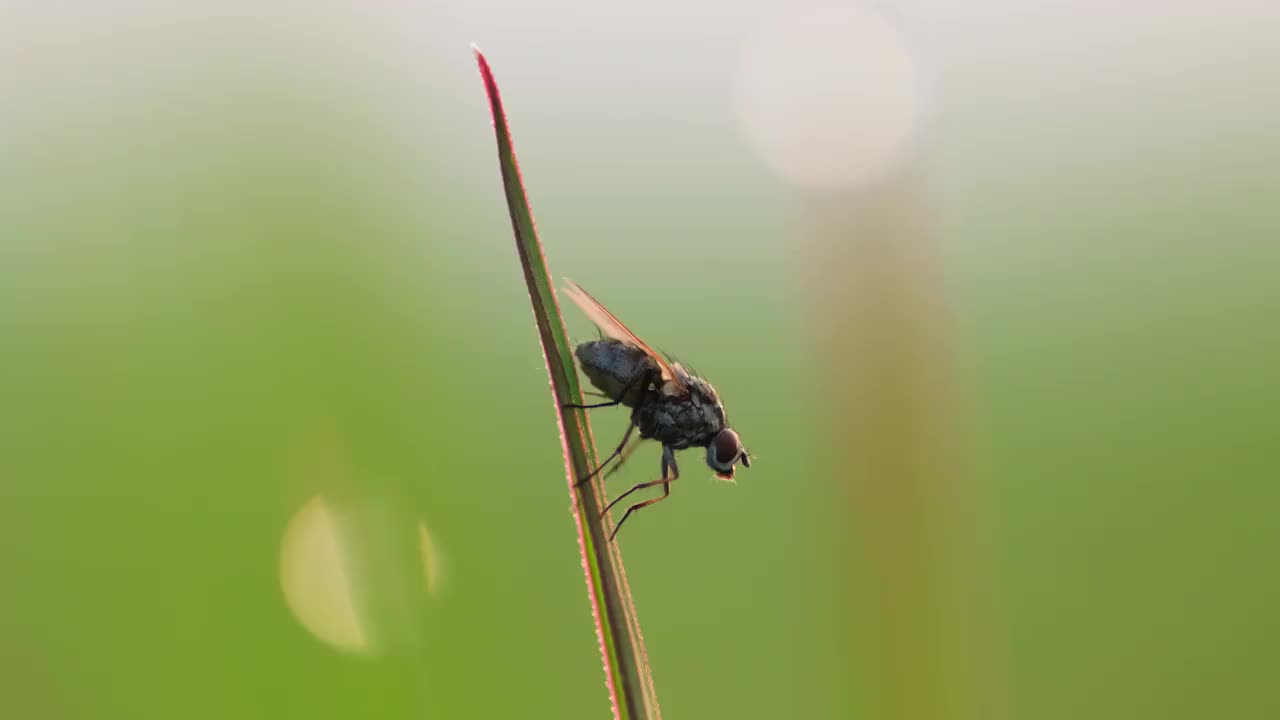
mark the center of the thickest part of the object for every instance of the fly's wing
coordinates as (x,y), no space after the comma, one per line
(613,327)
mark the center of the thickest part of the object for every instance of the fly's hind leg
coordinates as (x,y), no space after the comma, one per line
(611,403)
(626,390)
(668,462)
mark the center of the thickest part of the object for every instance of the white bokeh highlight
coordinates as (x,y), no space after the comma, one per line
(315,579)
(828,96)
(356,574)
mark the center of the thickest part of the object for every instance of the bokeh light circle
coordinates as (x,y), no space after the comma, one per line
(315,579)
(828,96)
(357,575)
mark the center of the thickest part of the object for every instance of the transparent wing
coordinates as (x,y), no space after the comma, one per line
(613,327)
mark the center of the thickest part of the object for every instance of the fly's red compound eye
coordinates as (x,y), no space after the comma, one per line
(727,448)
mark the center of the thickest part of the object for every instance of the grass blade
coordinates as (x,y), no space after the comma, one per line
(627,673)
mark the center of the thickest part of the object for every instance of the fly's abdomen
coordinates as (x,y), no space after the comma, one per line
(613,366)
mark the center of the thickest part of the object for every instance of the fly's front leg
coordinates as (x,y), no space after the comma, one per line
(668,461)
(668,464)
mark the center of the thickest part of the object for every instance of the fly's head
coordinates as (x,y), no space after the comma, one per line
(724,452)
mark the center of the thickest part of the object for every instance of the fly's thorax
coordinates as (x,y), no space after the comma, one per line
(681,422)
(703,394)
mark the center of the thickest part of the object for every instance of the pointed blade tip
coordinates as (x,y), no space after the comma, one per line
(481,61)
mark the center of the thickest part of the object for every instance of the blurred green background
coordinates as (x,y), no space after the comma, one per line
(275,433)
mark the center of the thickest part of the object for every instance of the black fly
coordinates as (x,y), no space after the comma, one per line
(668,403)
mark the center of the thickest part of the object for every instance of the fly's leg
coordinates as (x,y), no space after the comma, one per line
(622,396)
(666,490)
(668,461)
(611,403)
(622,459)
(625,437)
(640,380)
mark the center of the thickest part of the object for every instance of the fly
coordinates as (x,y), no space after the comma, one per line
(668,403)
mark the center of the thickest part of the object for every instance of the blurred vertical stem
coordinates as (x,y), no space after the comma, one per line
(627,673)
(922,633)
